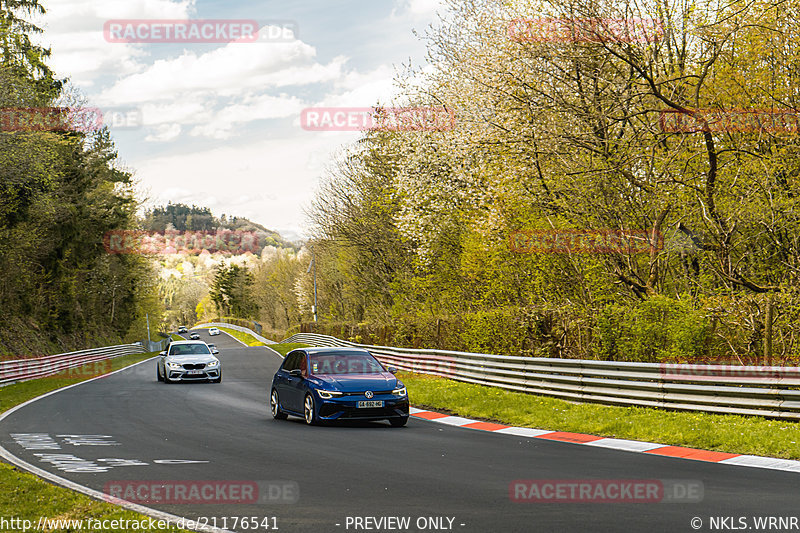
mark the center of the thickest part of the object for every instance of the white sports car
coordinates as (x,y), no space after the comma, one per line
(188,361)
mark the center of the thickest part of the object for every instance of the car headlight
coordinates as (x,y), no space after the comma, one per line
(174,366)
(328,394)
(400,391)
(213,364)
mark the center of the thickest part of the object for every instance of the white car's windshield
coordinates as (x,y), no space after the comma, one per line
(189,349)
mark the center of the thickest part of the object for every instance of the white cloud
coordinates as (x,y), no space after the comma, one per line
(186,92)
(164,132)
(70,16)
(265,181)
(225,71)
(221,125)
(86,56)
(182,111)
(74,32)
(419,8)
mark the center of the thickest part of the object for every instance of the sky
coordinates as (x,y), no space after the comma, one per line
(218,124)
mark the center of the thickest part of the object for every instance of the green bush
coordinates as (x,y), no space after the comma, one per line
(656,330)
(501,331)
(659,329)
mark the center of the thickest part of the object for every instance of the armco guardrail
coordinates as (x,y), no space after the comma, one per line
(746,390)
(235,327)
(39,367)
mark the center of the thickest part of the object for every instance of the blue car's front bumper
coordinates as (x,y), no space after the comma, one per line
(346,407)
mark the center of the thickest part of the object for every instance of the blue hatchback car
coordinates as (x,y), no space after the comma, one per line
(326,384)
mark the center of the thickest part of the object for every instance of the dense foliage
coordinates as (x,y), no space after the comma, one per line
(60,193)
(412,228)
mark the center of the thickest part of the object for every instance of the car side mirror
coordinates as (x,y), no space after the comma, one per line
(296,373)
(162,354)
(392,370)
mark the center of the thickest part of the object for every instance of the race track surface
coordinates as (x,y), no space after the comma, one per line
(129,427)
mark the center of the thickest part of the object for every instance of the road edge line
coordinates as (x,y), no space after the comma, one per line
(97,495)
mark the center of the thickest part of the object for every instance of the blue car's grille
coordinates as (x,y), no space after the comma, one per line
(327,410)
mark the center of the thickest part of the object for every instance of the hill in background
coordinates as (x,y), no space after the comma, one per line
(193,218)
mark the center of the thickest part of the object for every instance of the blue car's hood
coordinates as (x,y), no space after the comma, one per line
(359,382)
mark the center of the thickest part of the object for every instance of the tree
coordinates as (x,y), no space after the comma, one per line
(230,291)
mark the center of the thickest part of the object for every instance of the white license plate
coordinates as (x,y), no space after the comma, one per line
(371,403)
(194,372)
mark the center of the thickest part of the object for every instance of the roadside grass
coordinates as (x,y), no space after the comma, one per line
(26,497)
(724,433)
(244,337)
(283,349)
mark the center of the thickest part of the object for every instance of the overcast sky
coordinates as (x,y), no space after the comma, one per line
(221,122)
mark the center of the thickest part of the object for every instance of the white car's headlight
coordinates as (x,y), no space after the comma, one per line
(213,364)
(328,394)
(400,391)
(174,366)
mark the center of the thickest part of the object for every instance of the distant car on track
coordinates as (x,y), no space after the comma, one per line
(194,336)
(213,331)
(213,348)
(327,384)
(188,361)
(182,329)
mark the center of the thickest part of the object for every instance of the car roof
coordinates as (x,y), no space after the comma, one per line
(343,350)
(173,343)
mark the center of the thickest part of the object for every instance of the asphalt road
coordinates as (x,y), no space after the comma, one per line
(134,428)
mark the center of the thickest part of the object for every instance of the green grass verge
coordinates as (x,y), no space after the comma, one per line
(244,337)
(283,349)
(724,433)
(26,497)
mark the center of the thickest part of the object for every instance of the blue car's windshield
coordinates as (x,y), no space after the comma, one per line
(351,363)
